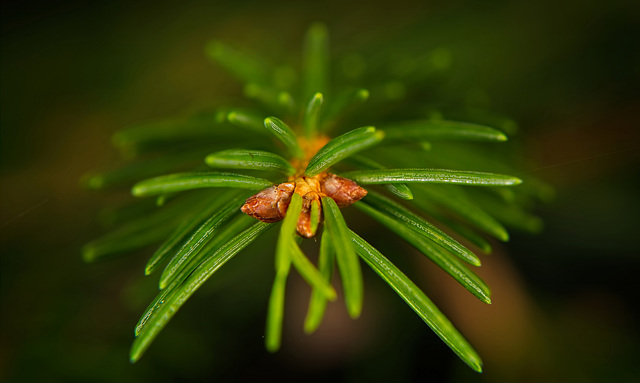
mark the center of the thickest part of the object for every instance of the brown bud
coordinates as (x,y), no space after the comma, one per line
(344,191)
(270,205)
(304,227)
(304,221)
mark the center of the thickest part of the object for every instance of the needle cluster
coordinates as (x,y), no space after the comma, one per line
(295,172)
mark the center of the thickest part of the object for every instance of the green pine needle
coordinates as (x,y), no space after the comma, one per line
(315,216)
(309,272)
(170,131)
(342,147)
(462,207)
(224,235)
(175,300)
(139,232)
(318,300)
(421,226)
(459,228)
(282,102)
(287,232)
(187,181)
(510,214)
(345,102)
(122,240)
(389,176)
(438,255)
(246,68)
(275,313)
(247,120)
(249,160)
(226,208)
(348,264)
(312,115)
(434,129)
(142,169)
(399,189)
(315,66)
(418,301)
(175,241)
(283,259)
(284,134)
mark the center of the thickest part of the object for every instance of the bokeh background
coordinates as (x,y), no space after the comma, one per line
(565,300)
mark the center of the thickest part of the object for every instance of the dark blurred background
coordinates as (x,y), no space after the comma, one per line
(565,301)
